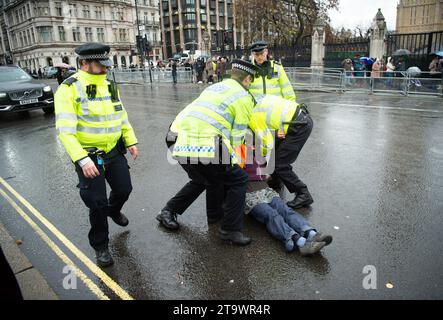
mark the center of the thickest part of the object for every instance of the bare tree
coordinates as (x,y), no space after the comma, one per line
(280,21)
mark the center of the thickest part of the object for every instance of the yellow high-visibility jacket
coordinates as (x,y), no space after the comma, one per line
(275,82)
(223,109)
(85,122)
(271,114)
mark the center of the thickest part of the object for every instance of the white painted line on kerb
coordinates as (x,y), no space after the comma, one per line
(107,280)
(59,252)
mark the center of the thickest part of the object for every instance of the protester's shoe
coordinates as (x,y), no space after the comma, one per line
(168,219)
(104,258)
(120,219)
(326,238)
(302,199)
(214,219)
(236,237)
(311,247)
(289,245)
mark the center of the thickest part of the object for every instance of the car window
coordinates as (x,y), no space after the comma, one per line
(13,74)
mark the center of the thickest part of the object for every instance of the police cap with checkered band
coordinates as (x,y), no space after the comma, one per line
(259,46)
(94,51)
(245,66)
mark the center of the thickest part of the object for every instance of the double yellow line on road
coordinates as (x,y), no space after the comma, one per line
(111,284)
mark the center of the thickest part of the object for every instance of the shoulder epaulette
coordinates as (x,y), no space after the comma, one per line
(70,81)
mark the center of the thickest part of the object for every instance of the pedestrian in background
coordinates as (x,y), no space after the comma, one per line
(174,71)
(209,71)
(348,66)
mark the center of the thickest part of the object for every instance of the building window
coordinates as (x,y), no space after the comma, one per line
(98,13)
(29,36)
(189,18)
(88,33)
(145,17)
(100,35)
(86,12)
(61,33)
(118,14)
(73,10)
(122,35)
(76,34)
(28,6)
(43,8)
(58,9)
(17,20)
(44,34)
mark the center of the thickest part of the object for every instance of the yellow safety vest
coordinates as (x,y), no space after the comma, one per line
(276,83)
(85,122)
(270,115)
(222,109)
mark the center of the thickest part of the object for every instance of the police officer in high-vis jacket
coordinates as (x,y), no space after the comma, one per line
(206,138)
(93,126)
(272,78)
(292,124)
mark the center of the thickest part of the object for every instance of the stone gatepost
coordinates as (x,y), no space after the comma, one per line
(318,45)
(378,34)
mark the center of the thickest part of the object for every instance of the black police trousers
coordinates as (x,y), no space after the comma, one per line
(287,151)
(93,193)
(225,192)
(191,191)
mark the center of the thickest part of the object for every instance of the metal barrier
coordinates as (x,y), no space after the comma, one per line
(333,79)
(184,75)
(311,79)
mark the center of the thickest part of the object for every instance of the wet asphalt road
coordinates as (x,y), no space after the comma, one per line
(374,165)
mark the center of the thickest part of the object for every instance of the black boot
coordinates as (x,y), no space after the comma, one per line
(168,219)
(236,237)
(104,258)
(213,219)
(120,219)
(302,199)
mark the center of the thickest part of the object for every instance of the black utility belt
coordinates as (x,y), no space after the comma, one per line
(95,152)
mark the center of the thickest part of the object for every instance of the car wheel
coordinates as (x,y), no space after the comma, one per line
(48,110)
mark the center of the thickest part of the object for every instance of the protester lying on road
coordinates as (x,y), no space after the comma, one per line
(282,222)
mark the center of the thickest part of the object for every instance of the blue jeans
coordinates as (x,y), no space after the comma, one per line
(281,221)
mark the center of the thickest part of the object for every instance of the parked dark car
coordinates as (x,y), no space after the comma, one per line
(20,92)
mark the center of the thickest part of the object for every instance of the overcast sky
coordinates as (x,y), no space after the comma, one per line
(361,12)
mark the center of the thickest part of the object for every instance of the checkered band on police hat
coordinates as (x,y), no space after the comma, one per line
(101,56)
(244,66)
